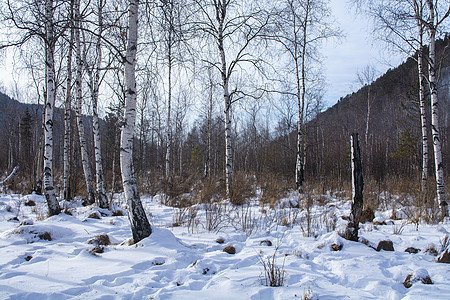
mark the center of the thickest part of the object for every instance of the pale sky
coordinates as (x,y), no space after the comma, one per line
(357,49)
(342,59)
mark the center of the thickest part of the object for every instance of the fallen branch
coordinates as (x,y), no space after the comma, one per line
(10,175)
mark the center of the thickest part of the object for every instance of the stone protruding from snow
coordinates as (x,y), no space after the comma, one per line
(418,275)
(385,245)
(412,250)
(265,243)
(229,250)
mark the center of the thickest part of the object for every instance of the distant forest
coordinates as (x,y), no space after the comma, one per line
(263,152)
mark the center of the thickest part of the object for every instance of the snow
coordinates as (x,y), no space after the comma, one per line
(186,262)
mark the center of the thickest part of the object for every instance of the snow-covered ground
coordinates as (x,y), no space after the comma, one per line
(186,262)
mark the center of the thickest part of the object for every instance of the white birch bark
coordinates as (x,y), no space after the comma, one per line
(79,97)
(439,167)
(101,192)
(366,135)
(168,11)
(169,130)
(221,13)
(67,110)
(140,226)
(301,92)
(209,147)
(423,120)
(52,202)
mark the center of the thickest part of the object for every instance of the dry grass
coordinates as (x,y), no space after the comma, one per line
(242,189)
(273,274)
(273,189)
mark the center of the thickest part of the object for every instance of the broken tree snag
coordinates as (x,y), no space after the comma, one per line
(357,190)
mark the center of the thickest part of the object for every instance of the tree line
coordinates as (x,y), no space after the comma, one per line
(198,93)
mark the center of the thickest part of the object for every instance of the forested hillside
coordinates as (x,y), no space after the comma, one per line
(392,148)
(389,130)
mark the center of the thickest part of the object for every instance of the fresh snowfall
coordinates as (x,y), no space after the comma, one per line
(87,252)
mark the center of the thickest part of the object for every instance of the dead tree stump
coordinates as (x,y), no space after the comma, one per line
(351,232)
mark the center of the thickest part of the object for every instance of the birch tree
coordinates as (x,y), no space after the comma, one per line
(232,27)
(30,19)
(68,109)
(50,41)
(94,86)
(140,226)
(299,28)
(418,12)
(396,22)
(431,25)
(79,108)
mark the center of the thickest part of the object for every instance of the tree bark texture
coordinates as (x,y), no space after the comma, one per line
(357,190)
(221,13)
(439,167)
(140,226)
(79,97)
(50,196)
(423,119)
(67,111)
(101,192)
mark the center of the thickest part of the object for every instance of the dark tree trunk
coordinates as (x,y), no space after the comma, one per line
(357,190)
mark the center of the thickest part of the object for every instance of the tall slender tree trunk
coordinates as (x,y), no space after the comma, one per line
(301,94)
(79,96)
(208,156)
(366,135)
(169,108)
(50,196)
(423,119)
(101,193)
(67,110)
(227,106)
(439,167)
(140,226)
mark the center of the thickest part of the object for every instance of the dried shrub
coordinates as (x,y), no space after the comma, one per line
(100,240)
(214,216)
(29,202)
(431,250)
(45,236)
(273,189)
(178,189)
(209,190)
(242,218)
(367,215)
(397,229)
(242,189)
(273,274)
(96,250)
